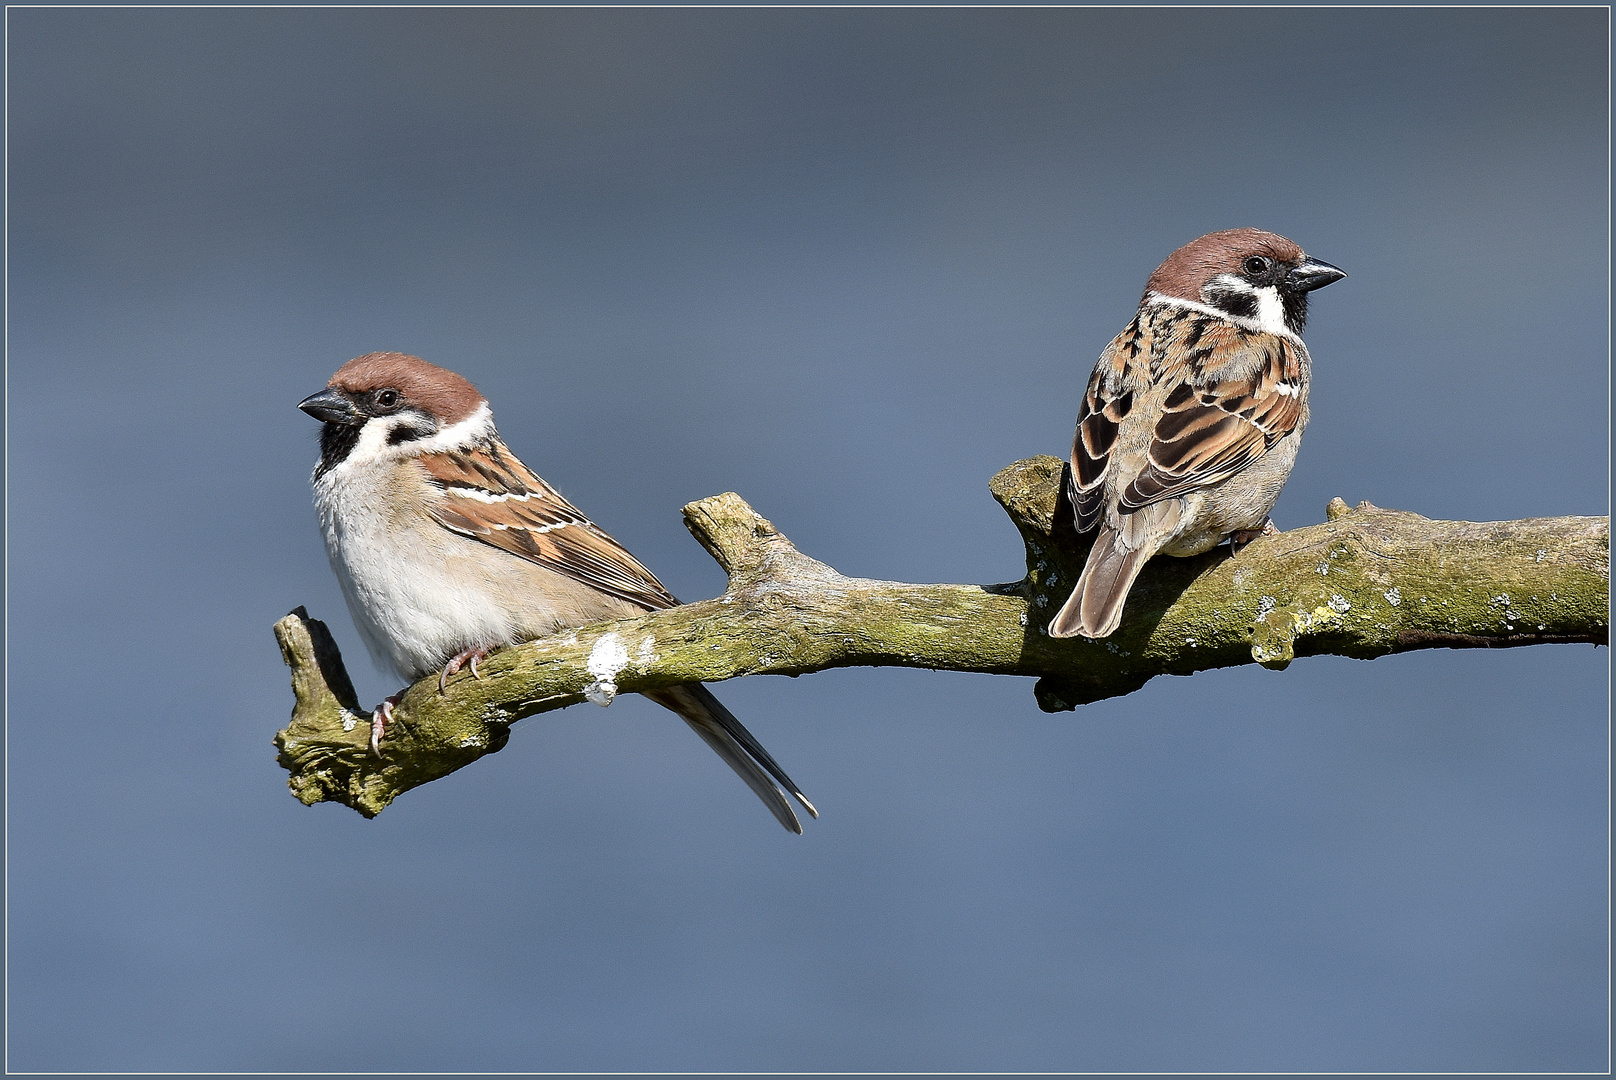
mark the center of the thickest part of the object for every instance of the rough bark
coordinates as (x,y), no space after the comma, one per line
(1365,583)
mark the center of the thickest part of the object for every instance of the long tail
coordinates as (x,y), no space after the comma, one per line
(731,741)
(1095,606)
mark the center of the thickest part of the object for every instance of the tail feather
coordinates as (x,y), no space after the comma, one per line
(1094,609)
(729,738)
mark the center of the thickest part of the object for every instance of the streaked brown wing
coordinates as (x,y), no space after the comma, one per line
(1215,423)
(489,495)
(1103,409)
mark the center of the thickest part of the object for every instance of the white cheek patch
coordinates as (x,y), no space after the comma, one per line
(1270,316)
(476,426)
(1227,283)
(1271,311)
(373,445)
(372,442)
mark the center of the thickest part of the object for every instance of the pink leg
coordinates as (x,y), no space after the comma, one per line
(1238,540)
(470,656)
(379,721)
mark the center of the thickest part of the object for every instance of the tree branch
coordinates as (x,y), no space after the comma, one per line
(1365,583)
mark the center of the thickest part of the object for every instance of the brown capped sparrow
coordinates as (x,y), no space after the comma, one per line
(447,546)
(1193,414)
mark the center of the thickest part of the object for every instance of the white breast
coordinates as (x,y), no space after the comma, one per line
(415,598)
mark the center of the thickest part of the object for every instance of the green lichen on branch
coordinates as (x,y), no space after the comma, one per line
(1365,583)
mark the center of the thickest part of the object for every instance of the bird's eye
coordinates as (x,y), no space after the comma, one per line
(387,399)
(1256,265)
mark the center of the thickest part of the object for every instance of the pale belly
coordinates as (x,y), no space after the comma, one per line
(416,596)
(1239,503)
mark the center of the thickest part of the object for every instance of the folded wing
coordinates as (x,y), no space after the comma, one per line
(1223,415)
(491,496)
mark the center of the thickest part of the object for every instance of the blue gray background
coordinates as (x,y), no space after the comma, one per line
(848,264)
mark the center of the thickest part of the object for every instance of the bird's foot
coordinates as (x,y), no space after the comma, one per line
(468,658)
(1240,539)
(379,721)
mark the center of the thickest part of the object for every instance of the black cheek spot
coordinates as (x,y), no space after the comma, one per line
(1240,305)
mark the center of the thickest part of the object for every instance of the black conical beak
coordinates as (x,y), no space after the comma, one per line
(332,407)
(1311,275)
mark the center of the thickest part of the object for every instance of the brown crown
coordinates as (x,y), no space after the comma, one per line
(434,390)
(1183,272)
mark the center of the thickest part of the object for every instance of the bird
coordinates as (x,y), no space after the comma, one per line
(1191,420)
(447,546)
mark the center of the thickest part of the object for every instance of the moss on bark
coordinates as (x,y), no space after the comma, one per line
(1364,583)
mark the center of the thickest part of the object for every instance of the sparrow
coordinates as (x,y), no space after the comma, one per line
(1193,414)
(448,547)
